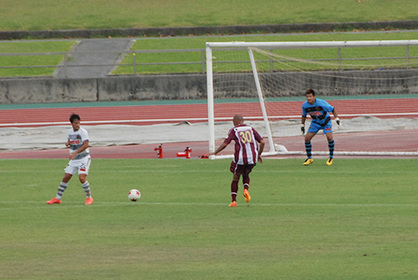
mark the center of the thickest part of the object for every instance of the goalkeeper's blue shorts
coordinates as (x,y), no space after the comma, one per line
(315,127)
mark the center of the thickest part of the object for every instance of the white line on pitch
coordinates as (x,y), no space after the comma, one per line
(66,205)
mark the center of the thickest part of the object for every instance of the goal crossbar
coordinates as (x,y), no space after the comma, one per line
(318,44)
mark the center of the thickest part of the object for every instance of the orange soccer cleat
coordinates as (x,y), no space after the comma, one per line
(89,201)
(54,200)
(247,195)
(233,204)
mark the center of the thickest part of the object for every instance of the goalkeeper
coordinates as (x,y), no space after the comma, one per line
(319,111)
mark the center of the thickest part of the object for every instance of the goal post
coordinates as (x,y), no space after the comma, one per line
(266,81)
(211,116)
(261,100)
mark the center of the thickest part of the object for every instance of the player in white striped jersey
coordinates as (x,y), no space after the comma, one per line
(78,142)
(247,154)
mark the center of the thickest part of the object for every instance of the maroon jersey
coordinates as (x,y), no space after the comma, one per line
(246,144)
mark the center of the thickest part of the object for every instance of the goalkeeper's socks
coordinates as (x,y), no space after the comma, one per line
(331,148)
(61,189)
(308,148)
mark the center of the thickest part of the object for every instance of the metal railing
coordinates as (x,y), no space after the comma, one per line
(137,65)
(202,52)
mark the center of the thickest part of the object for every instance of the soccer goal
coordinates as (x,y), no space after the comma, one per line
(372,84)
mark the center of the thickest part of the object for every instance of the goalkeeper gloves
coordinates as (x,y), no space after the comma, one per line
(302,128)
(337,120)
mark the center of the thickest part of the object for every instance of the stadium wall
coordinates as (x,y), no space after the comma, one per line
(193,86)
(118,88)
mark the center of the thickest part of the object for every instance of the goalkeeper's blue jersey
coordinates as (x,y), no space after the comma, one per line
(319,111)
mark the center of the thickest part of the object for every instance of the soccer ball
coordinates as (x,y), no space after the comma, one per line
(134,195)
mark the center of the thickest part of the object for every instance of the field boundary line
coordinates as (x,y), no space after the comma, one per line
(139,204)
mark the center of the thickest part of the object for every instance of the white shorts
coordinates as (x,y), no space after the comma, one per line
(81,165)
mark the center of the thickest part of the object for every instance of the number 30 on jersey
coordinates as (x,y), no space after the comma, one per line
(246,137)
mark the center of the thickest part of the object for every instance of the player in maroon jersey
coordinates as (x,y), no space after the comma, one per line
(247,153)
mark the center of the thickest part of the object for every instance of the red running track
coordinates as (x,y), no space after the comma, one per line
(198,112)
(151,114)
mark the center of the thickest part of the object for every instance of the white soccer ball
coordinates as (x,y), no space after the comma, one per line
(134,195)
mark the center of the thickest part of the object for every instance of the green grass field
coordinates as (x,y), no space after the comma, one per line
(22,47)
(93,14)
(200,43)
(354,220)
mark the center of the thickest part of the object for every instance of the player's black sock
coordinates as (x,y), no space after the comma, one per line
(61,189)
(234,190)
(331,148)
(308,147)
(246,181)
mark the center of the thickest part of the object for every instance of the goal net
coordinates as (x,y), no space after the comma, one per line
(373,86)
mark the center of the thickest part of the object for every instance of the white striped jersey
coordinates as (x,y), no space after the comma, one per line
(76,140)
(246,144)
